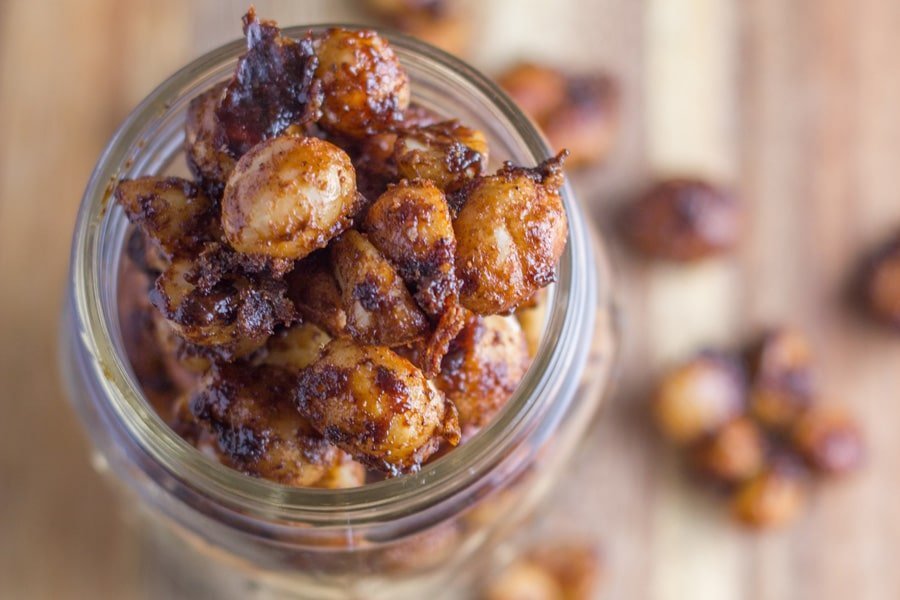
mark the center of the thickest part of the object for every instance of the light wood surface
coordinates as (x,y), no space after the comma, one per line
(793,103)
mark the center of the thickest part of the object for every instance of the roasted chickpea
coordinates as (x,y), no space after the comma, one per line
(410,224)
(205,144)
(772,498)
(782,386)
(172,212)
(699,397)
(830,440)
(315,292)
(289,196)
(683,220)
(537,89)
(250,412)
(483,367)
(510,233)
(365,88)
(379,308)
(734,453)
(555,571)
(376,406)
(234,317)
(447,153)
(881,283)
(295,348)
(586,122)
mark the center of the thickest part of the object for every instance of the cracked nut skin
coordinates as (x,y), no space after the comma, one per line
(699,397)
(376,406)
(683,220)
(251,414)
(733,453)
(288,196)
(510,232)
(830,440)
(880,284)
(365,87)
(782,378)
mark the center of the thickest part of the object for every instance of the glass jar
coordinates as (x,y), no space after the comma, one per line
(214,531)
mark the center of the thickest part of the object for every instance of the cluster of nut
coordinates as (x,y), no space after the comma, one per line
(551,571)
(442,23)
(755,426)
(576,112)
(333,293)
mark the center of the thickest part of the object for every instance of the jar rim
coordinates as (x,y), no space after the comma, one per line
(564,346)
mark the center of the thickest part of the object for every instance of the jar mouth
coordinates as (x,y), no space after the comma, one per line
(532,412)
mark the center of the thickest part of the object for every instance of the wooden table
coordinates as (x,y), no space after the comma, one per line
(794,103)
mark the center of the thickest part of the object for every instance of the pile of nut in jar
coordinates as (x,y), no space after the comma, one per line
(332,299)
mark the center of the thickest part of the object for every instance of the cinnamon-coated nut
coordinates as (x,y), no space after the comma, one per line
(829,439)
(698,397)
(683,220)
(772,498)
(732,454)
(782,379)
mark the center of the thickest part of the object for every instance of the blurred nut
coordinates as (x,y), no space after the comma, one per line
(683,220)
(881,283)
(564,571)
(537,89)
(732,454)
(830,440)
(699,397)
(441,23)
(586,123)
(773,497)
(576,112)
(782,384)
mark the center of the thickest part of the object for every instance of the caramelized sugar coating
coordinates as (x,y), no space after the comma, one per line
(881,283)
(295,348)
(683,220)
(273,87)
(447,153)
(772,498)
(379,308)
(205,144)
(410,224)
(172,212)
(375,405)
(315,293)
(782,387)
(554,571)
(734,453)
(830,440)
(250,412)
(698,397)
(510,233)
(483,367)
(366,89)
(289,196)
(233,315)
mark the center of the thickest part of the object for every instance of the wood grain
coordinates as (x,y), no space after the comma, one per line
(792,103)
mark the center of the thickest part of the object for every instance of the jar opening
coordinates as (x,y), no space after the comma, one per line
(494,454)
